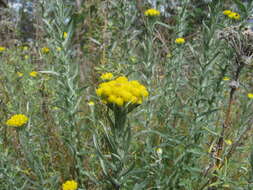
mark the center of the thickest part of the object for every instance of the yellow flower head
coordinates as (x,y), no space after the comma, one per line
(33,74)
(25,48)
(91,103)
(228,142)
(26,57)
(69,185)
(65,35)
(234,15)
(17,120)
(106,76)
(122,92)
(180,41)
(20,74)
(226,78)
(58,49)
(250,95)
(45,50)
(2,49)
(227,12)
(152,12)
(159,151)
(237,16)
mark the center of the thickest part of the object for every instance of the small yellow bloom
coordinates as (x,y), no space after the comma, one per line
(234,15)
(226,78)
(237,16)
(69,185)
(91,103)
(169,55)
(226,185)
(20,74)
(33,74)
(65,35)
(26,57)
(25,48)
(45,50)
(17,120)
(180,41)
(2,49)
(228,142)
(58,49)
(250,95)
(227,12)
(106,76)
(152,12)
(159,151)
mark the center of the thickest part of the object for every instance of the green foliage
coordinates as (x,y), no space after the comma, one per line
(192,133)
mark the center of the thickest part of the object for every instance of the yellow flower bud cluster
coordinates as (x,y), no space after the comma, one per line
(17,120)
(250,95)
(121,91)
(231,14)
(45,50)
(33,74)
(106,76)
(2,49)
(152,12)
(65,35)
(180,41)
(69,185)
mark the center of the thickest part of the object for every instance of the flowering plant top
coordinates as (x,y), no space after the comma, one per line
(122,92)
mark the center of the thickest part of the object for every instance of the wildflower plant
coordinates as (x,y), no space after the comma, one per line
(185,124)
(60,30)
(121,96)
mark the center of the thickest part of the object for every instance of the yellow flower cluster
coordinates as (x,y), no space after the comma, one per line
(65,35)
(226,78)
(91,103)
(250,95)
(232,15)
(2,49)
(106,76)
(180,41)
(69,185)
(33,74)
(228,142)
(58,49)
(17,120)
(159,151)
(25,48)
(45,50)
(20,74)
(121,91)
(152,12)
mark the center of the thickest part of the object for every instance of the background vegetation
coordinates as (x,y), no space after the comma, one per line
(192,133)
